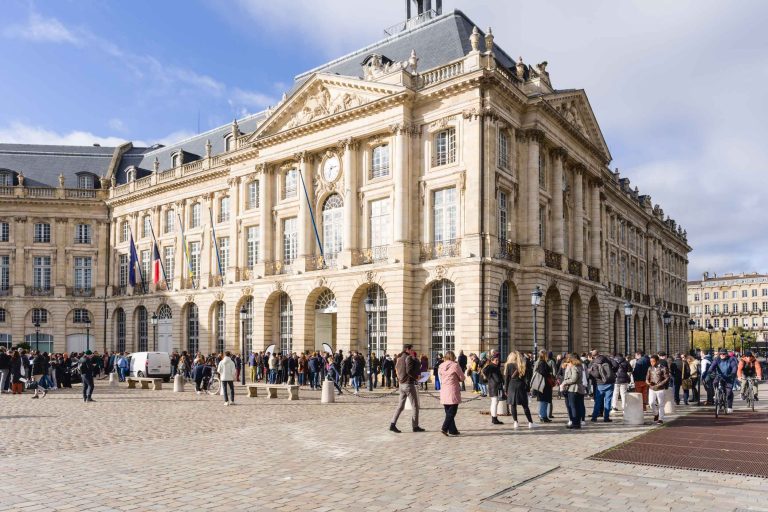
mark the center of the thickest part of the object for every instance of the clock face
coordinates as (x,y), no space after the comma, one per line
(331,169)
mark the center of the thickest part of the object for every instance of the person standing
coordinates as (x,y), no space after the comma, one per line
(5,370)
(38,372)
(86,368)
(574,390)
(514,382)
(622,382)
(495,381)
(544,396)
(450,375)
(252,365)
(603,370)
(334,374)
(639,372)
(226,369)
(462,360)
(387,367)
(658,382)
(408,370)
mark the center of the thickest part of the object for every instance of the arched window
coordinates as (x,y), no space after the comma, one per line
(248,331)
(165,312)
(221,326)
(326,302)
(286,324)
(142,329)
(193,329)
(333,226)
(378,326)
(40,341)
(504,321)
(443,318)
(120,334)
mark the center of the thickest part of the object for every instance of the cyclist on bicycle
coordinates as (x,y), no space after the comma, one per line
(723,370)
(749,368)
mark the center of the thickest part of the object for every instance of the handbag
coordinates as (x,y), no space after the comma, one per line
(551,382)
(686,384)
(537,382)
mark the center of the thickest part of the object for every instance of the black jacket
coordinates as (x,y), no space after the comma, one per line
(622,373)
(495,380)
(5,361)
(596,362)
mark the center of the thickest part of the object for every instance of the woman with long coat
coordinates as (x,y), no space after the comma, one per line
(514,382)
(545,395)
(495,381)
(451,378)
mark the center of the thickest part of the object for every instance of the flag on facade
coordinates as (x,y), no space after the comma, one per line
(134,260)
(156,266)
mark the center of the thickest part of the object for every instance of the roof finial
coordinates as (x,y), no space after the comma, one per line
(61,180)
(489,41)
(520,69)
(156,164)
(235,128)
(413,61)
(474,39)
(208,148)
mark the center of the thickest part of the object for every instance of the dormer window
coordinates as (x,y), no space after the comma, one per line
(229,143)
(85,181)
(130,174)
(6,179)
(177,159)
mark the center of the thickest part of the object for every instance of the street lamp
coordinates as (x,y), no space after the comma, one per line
(667,320)
(37,335)
(691,326)
(628,307)
(536,295)
(710,330)
(154,329)
(243,318)
(369,316)
(722,333)
(742,344)
(88,331)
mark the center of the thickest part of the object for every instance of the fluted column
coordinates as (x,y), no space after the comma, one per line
(306,231)
(596,257)
(400,206)
(558,240)
(235,243)
(534,138)
(266,231)
(578,215)
(351,216)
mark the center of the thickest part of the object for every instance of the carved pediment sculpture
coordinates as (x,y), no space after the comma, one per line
(322,103)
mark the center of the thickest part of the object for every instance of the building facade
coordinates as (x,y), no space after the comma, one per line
(429,177)
(730,301)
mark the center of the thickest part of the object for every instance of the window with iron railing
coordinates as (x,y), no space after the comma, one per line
(83,234)
(380,161)
(42,233)
(445,147)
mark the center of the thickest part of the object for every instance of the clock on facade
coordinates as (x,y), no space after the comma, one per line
(331,169)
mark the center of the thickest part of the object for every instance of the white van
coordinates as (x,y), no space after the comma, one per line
(151,364)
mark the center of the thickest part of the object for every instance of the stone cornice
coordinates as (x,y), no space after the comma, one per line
(178,183)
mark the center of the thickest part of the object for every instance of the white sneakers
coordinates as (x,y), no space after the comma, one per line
(570,423)
(532,424)
(198,392)
(730,410)
(515,425)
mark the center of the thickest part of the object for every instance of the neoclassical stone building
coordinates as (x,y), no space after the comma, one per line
(729,301)
(429,172)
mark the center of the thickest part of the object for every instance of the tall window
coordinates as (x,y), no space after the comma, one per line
(253,195)
(252,241)
(443,318)
(333,226)
(124,231)
(42,233)
(145,266)
(168,262)
(381,228)
(193,329)
(81,316)
(221,326)
(123,270)
(3,315)
(503,149)
(83,273)
(194,258)
(224,252)
(224,209)
(290,240)
(378,331)
(380,161)
(41,272)
(5,232)
(146,226)
(39,316)
(85,181)
(248,326)
(502,206)
(120,320)
(542,225)
(542,170)
(83,234)
(286,323)
(142,329)
(445,147)
(444,215)
(170,221)
(504,321)
(194,215)
(5,272)
(291,183)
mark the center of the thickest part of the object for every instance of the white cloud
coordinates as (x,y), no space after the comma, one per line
(39,29)
(251,98)
(116,124)
(21,133)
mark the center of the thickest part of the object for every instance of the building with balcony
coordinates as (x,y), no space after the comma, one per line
(729,301)
(428,172)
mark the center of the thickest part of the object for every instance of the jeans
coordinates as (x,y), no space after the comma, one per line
(603,397)
(677,391)
(123,373)
(5,379)
(231,385)
(87,387)
(375,379)
(729,393)
(571,402)
(483,389)
(475,379)
(693,392)
(356,383)
(449,424)
(272,376)
(408,391)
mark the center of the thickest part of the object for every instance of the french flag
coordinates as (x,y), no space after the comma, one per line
(156,266)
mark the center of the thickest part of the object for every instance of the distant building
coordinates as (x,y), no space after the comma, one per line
(730,300)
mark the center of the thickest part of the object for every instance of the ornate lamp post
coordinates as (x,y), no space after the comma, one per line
(88,331)
(243,318)
(667,320)
(723,331)
(742,344)
(154,330)
(710,330)
(691,327)
(37,335)
(369,305)
(536,295)
(628,307)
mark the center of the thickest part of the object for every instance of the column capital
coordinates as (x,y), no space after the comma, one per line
(534,135)
(301,156)
(559,153)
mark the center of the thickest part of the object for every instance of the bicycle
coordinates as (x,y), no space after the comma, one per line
(214,384)
(749,392)
(721,404)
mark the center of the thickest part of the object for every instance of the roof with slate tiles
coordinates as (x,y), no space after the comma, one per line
(41,164)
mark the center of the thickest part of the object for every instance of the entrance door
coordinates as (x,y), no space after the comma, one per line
(77,343)
(165,330)
(325,320)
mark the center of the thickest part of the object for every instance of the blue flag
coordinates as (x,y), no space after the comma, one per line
(134,260)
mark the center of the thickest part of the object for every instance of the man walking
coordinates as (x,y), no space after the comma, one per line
(408,370)
(603,370)
(658,382)
(226,369)
(86,369)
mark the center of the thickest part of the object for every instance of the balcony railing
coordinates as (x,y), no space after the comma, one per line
(5,291)
(443,73)
(553,259)
(189,283)
(35,291)
(215,281)
(575,268)
(80,292)
(120,291)
(244,274)
(646,299)
(6,191)
(80,193)
(437,250)
(41,192)
(326,262)
(279,267)
(593,274)
(509,250)
(617,291)
(636,297)
(370,255)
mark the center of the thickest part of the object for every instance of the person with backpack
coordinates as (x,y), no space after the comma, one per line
(86,369)
(622,382)
(603,370)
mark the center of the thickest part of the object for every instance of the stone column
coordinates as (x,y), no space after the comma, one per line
(534,138)
(235,244)
(596,257)
(19,235)
(306,231)
(179,258)
(266,232)
(578,214)
(351,213)
(400,177)
(558,226)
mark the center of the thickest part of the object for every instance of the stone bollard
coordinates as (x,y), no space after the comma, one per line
(178,384)
(633,409)
(669,401)
(501,409)
(112,380)
(328,395)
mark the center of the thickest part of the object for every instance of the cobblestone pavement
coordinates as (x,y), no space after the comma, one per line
(159,450)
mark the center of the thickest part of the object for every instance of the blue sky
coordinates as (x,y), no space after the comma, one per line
(676,86)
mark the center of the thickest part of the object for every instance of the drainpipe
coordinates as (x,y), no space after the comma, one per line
(482,219)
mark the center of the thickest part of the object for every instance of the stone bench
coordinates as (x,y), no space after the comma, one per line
(252,390)
(157,384)
(293,391)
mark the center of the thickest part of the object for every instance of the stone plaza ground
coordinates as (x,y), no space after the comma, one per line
(159,450)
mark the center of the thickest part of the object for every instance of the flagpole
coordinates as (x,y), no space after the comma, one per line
(186,250)
(216,246)
(311,215)
(162,265)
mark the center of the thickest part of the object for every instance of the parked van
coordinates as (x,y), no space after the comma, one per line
(151,364)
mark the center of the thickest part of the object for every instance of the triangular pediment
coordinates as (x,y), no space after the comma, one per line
(575,109)
(321,97)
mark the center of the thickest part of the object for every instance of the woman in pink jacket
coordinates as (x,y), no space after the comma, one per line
(451,377)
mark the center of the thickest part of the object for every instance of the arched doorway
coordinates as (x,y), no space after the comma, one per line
(142,329)
(504,322)
(443,325)
(193,328)
(333,226)
(574,323)
(377,335)
(594,323)
(326,310)
(165,329)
